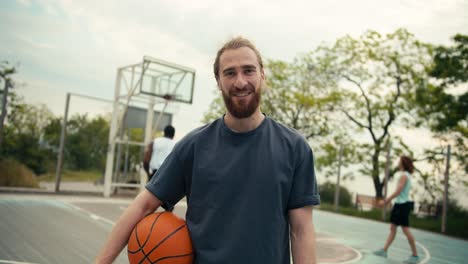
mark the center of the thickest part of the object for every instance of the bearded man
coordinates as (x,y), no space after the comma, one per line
(249,180)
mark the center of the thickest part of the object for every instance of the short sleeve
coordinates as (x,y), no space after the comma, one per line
(304,189)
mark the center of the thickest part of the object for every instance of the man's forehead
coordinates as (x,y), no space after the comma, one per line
(243,56)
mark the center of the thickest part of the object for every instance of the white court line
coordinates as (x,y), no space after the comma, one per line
(93,216)
(181,203)
(358,253)
(14,262)
(99,218)
(357,258)
(426,253)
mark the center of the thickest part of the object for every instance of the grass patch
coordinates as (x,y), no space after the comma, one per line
(15,174)
(73,176)
(456,226)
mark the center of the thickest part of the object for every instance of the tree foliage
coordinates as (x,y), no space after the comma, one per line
(86,141)
(327,194)
(32,137)
(6,81)
(23,134)
(297,98)
(376,75)
(442,104)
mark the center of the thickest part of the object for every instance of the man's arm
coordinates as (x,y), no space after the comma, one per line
(302,235)
(144,204)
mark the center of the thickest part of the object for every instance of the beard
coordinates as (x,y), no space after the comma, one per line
(242,109)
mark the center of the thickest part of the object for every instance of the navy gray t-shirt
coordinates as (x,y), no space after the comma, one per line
(239,188)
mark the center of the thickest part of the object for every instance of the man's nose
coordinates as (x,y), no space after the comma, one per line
(240,81)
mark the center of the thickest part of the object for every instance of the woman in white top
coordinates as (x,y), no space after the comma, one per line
(401,210)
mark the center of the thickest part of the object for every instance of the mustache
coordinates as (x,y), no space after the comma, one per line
(245,89)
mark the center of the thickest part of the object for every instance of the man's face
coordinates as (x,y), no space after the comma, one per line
(240,81)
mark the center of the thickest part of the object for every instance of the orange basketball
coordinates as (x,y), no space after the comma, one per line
(160,237)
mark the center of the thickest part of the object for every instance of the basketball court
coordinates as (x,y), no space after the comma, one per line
(51,228)
(71,229)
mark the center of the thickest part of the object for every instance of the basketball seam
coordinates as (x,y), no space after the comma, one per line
(175,256)
(147,237)
(162,241)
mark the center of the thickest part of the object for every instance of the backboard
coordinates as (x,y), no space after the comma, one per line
(136,118)
(166,80)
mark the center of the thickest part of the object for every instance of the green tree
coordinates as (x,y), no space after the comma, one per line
(24,134)
(442,105)
(375,75)
(5,80)
(86,142)
(297,97)
(445,110)
(52,133)
(327,194)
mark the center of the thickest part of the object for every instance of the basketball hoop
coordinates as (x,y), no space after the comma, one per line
(167,97)
(153,85)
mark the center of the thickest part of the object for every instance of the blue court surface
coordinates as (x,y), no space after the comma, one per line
(365,236)
(63,229)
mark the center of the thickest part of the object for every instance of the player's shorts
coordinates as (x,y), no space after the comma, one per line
(400,214)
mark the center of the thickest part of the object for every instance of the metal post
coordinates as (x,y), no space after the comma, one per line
(127,155)
(118,160)
(337,187)
(112,137)
(58,170)
(148,129)
(446,184)
(387,175)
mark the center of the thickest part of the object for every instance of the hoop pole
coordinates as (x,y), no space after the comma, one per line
(112,134)
(148,129)
(58,171)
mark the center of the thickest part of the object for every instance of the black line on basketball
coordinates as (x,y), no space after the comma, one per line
(162,241)
(175,256)
(147,237)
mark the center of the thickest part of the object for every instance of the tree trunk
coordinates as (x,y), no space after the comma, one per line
(4,110)
(375,171)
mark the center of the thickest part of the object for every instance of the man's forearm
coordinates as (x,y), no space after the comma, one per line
(303,245)
(119,235)
(123,228)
